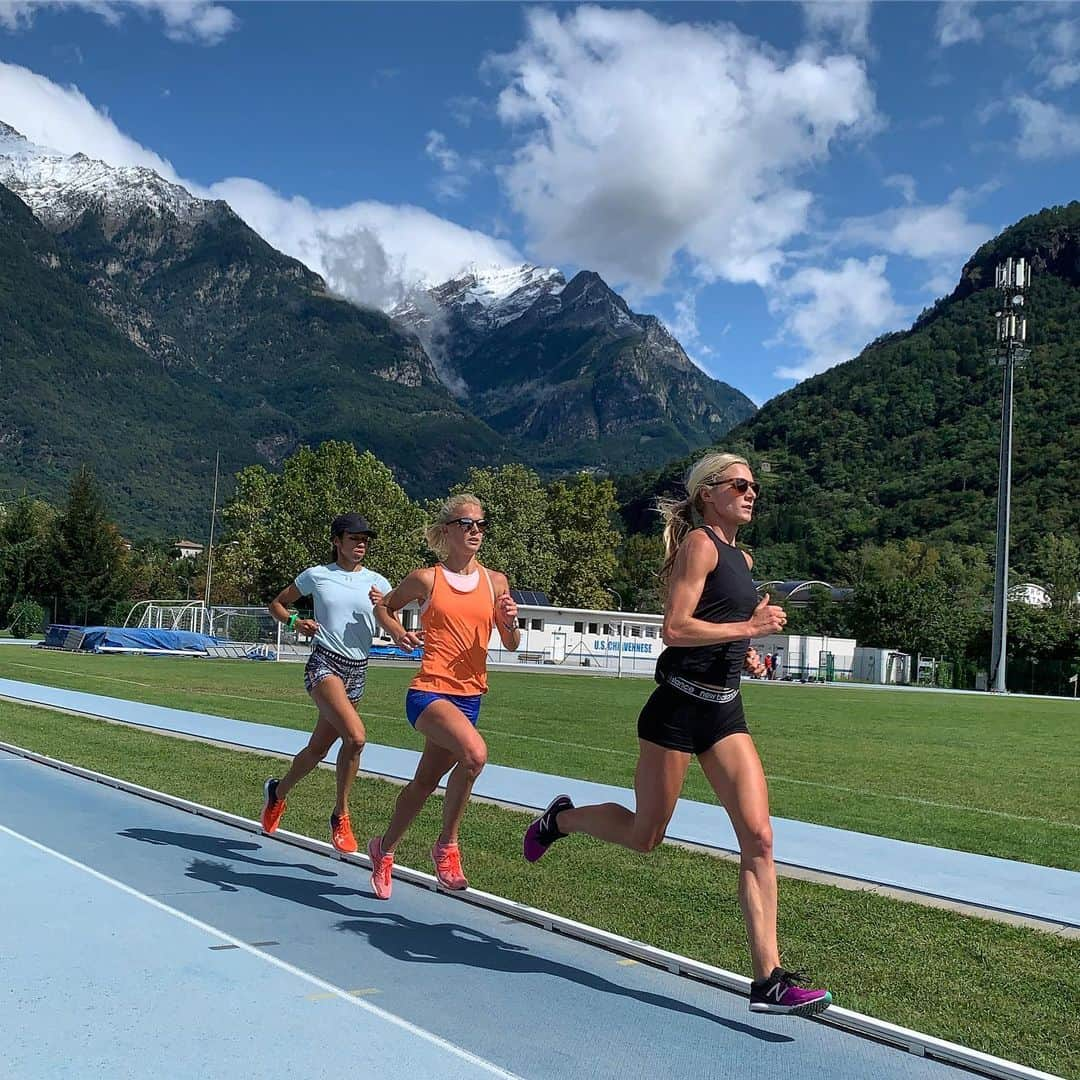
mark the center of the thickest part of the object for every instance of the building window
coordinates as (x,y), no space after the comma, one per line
(579,628)
(538,624)
(609,630)
(594,628)
(522,623)
(650,631)
(635,630)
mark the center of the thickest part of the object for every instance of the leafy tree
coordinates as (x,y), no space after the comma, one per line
(820,615)
(521,540)
(636,577)
(582,513)
(1057,558)
(26,552)
(278,525)
(88,553)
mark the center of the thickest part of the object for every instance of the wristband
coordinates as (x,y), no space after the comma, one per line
(291,622)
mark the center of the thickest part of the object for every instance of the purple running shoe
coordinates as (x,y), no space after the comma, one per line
(542,833)
(783,992)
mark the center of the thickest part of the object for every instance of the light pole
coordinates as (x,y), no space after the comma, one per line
(1012,277)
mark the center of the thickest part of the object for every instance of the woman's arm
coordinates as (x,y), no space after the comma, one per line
(505,613)
(279,609)
(693,564)
(415,587)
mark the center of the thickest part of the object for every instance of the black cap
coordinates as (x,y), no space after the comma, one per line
(351,523)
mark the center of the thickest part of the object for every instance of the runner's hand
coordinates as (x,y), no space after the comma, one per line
(753,665)
(409,640)
(507,612)
(375,596)
(767,619)
(307,627)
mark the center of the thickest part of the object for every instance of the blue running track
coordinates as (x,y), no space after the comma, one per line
(138,940)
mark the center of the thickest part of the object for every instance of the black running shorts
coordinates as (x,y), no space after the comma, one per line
(677,721)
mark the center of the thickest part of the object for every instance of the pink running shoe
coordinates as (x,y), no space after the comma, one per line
(783,992)
(447,860)
(382,882)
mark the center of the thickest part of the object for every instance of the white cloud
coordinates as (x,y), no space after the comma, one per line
(641,139)
(849,20)
(1046,131)
(920,231)
(199,21)
(956,23)
(456,171)
(368,251)
(904,183)
(834,313)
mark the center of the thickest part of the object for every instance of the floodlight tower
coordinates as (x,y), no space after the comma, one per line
(1012,277)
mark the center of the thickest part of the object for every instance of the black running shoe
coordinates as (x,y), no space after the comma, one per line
(542,833)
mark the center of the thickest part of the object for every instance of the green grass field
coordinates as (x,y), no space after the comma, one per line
(998,776)
(901,962)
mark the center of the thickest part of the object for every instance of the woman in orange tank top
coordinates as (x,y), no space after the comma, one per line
(460,603)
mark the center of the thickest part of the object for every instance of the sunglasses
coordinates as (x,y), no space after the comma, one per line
(467,524)
(740,484)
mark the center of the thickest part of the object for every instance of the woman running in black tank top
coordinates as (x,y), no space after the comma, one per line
(710,615)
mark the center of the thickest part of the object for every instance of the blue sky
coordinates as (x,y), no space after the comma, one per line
(779,182)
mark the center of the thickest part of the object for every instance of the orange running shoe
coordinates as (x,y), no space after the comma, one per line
(273,808)
(341,833)
(447,860)
(382,865)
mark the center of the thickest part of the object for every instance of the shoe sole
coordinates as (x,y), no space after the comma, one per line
(811,1008)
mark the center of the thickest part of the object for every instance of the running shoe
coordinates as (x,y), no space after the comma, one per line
(382,865)
(273,808)
(543,832)
(447,860)
(341,833)
(783,992)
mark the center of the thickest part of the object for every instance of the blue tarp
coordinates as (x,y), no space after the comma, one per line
(392,652)
(125,637)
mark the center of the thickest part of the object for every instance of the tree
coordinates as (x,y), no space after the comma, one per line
(25,553)
(520,541)
(636,578)
(582,513)
(278,525)
(1057,559)
(87,553)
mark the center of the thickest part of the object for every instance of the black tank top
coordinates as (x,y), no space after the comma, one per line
(727,596)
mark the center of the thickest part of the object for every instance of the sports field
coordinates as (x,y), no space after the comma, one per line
(998,776)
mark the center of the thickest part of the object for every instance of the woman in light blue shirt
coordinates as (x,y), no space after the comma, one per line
(341,631)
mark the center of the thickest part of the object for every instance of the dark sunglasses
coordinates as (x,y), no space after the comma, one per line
(740,484)
(468,523)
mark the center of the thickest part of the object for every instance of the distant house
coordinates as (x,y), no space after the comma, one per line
(188,549)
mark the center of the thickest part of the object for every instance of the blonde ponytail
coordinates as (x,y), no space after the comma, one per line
(681,515)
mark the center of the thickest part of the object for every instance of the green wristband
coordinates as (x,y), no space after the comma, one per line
(292,621)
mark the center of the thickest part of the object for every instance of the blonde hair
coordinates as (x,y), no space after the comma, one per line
(679,514)
(435,533)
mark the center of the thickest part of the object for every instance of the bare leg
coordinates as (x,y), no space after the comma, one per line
(657,783)
(434,763)
(733,768)
(338,714)
(450,740)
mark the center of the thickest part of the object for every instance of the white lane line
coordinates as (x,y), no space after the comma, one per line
(326,987)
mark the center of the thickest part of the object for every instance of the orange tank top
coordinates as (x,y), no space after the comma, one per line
(457,628)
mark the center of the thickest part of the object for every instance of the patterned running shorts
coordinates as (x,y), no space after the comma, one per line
(323,662)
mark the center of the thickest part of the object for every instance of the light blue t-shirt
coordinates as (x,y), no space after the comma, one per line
(342,607)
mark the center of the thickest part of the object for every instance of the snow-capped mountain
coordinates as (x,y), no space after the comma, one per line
(59,187)
(485,298)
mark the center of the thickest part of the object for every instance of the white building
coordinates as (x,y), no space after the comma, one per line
(188,549)
(804,656)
